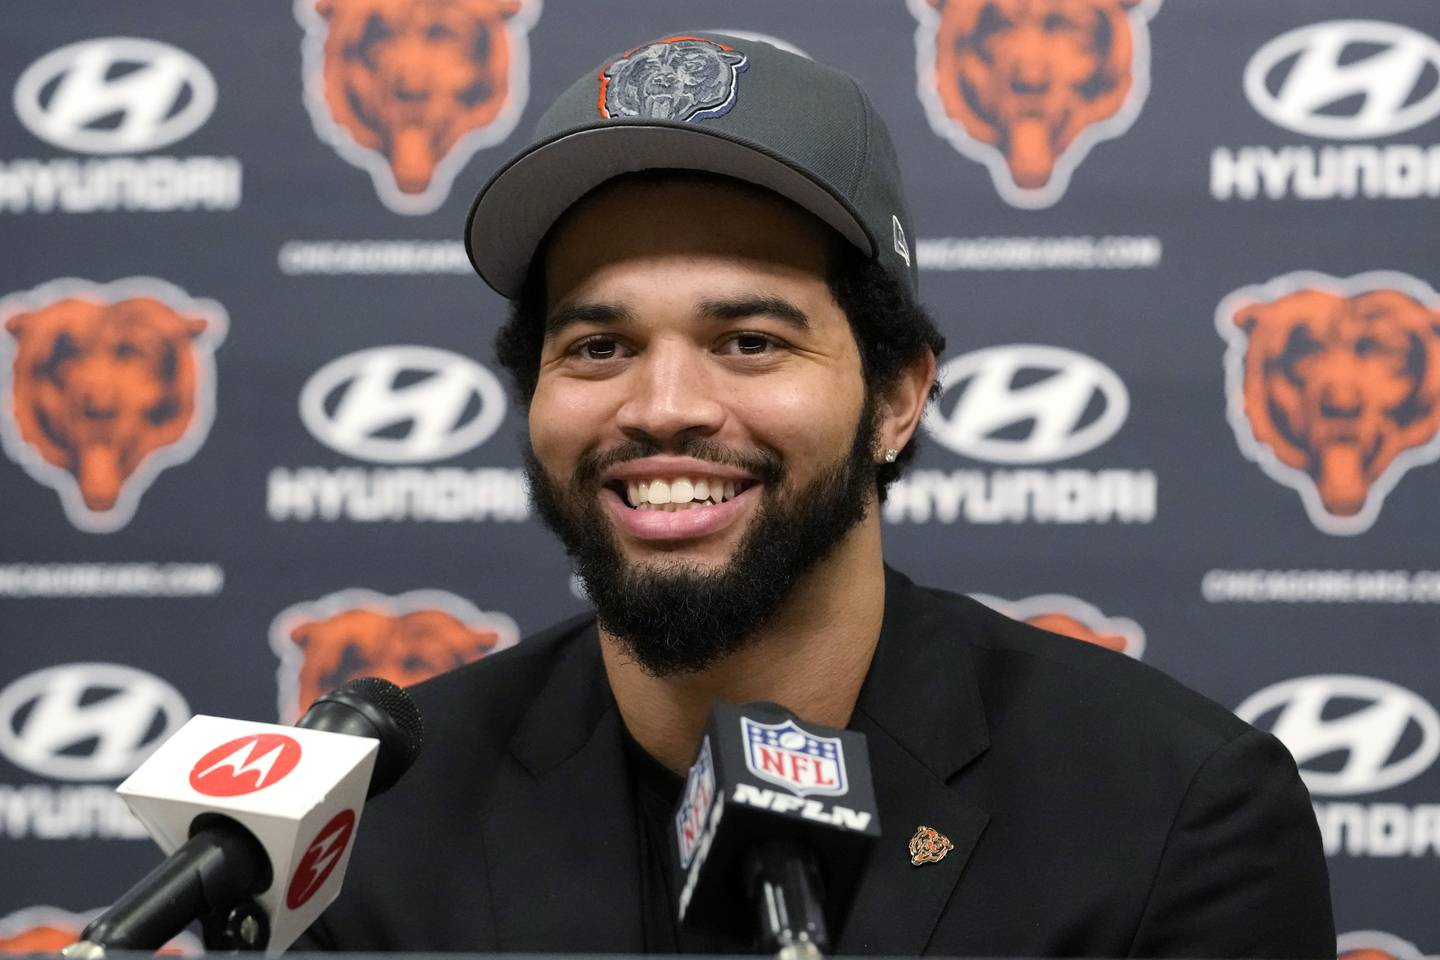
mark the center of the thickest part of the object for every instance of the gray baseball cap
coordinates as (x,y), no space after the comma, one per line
(707,102)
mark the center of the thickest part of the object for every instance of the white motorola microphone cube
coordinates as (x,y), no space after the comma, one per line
(299,791)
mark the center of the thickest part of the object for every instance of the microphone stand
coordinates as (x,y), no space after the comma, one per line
(785,887)
(160,906)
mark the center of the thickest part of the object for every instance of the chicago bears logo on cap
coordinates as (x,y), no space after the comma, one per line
(108,385)
(410,89)
(678,78)
(1028,86)
(1334,386)
(358,633)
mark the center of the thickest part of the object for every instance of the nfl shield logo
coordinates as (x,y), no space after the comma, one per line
(799,761)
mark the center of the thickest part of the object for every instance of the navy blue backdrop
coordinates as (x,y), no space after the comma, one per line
(255,440)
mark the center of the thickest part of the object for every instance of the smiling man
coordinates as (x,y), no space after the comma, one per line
(717,336)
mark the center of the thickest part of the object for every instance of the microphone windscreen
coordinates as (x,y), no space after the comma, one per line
(373,707)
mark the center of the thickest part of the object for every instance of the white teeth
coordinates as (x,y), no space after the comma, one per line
(681,492)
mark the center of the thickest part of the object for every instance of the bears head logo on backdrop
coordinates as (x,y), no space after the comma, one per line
(1334,386)
(1027,87)
(101,387)
(678,78)
(44,929)
(410,89)
(1072,617)
(356,633)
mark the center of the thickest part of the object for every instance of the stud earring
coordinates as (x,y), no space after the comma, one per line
(890,454)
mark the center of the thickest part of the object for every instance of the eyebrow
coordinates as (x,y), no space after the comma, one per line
(570,314)
(737,308)
(730,308)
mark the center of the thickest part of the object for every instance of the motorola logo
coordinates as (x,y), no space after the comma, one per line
(1027,404)
(1349,734)
(245,765)
(115,95)
(402,404)
(1346,79)
(320,859)
(87,721)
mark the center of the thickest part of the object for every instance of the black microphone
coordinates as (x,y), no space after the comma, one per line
(213,875)
(778,815)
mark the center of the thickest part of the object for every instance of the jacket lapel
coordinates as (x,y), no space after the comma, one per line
(562,818)
(921,713)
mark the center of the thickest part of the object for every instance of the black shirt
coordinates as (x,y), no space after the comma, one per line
(657,792)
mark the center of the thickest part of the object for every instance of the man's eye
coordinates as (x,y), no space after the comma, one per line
(596,348)
(751,344)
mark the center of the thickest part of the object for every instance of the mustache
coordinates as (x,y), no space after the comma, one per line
(761,464)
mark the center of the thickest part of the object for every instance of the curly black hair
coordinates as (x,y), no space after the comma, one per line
(891,330)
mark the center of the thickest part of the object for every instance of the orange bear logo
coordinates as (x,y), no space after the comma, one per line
(37,930)
(1334,387)
(1027,87)
(105,386)
(357,633)
(409,90)
(1073,617)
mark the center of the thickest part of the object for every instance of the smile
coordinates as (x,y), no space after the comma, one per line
(672,494)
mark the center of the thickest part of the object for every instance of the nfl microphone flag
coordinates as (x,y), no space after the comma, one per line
(761,776)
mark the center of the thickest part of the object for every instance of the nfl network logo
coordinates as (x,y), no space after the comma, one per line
(799,761)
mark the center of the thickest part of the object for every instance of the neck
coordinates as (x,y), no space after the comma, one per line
(811,657)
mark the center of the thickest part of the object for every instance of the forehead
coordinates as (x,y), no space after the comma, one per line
(712,223)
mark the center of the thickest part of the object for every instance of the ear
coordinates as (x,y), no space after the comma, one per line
(194,326)
(1249,317)
(16,324)
(325,8)
(300,636)
(508,8)
(898,409)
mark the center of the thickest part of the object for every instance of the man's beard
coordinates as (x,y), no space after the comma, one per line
(682,618)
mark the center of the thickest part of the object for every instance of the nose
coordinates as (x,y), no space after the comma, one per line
(673,394)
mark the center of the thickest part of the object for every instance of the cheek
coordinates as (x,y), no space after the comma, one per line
(813,420)
(564,423)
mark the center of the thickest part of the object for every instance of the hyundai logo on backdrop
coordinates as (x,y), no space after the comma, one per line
(400,406)
(80,722)
(1347,81)
(112,98)
(1054,408)
(1301,80)
(1353,736)
(1023,406)
(115,95)
(87,721)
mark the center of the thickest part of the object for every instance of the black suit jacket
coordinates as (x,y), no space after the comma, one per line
(1096,807)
